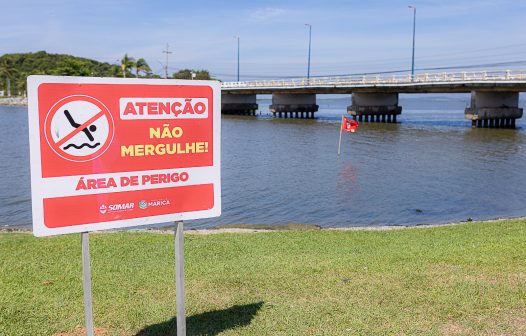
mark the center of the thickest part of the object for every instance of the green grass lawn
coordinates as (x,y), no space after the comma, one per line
(467,279)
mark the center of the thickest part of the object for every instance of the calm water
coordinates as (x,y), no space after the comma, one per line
(430,168)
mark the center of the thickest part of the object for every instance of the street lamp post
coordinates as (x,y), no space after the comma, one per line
(413,56)
(237,58)
(308,60)
(166,65)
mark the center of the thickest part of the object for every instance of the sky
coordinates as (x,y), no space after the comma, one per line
(348,37)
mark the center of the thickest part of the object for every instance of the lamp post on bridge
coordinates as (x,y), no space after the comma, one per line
(237,37)
(308,60)
(237,58)
(413,56)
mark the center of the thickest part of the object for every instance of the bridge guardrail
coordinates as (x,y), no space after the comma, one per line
(341,81)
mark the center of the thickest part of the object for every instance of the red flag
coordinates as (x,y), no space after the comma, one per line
(349,125)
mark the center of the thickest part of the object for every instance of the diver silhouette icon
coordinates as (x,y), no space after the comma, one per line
(87,131)
(92,128)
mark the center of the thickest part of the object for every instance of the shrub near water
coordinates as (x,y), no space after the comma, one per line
(467,279)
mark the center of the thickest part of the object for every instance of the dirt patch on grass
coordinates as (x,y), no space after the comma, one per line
(483,278)
(518,324)
(454,329)
(511,324)
(81,331)
(511,280)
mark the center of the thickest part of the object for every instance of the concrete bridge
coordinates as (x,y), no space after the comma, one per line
(494,95)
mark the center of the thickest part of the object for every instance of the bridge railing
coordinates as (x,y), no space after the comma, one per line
(343,81)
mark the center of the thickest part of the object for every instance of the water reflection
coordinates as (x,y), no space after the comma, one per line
(347,185)
(493,147)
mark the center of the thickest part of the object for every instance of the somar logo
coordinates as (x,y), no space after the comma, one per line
(116,207)
(143,204)
(121,207)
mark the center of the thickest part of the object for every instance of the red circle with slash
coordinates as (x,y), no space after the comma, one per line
(79,128)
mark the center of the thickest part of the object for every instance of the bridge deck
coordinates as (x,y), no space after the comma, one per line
(458,82)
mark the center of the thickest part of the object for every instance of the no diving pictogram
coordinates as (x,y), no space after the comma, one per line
(79,128)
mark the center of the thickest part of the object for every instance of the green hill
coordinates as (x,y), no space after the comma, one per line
(15,68)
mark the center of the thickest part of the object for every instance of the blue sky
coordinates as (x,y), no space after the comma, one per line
(347,36)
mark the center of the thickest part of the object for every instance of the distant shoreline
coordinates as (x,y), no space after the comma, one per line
(13,101)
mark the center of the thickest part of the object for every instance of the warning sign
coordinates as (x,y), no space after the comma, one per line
(111,153)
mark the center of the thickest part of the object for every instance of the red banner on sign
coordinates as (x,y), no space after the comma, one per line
(77,210)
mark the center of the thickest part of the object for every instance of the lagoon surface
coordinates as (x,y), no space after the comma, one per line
(430,168)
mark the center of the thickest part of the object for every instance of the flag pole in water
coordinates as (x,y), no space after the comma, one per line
(340,142)
(346,125)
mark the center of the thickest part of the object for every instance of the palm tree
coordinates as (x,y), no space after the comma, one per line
(8,71)
(141,65)
(126,64)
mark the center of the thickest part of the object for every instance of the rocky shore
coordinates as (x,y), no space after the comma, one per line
(14,101)
(252,228)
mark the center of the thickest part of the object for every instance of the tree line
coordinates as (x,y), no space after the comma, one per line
(14,69)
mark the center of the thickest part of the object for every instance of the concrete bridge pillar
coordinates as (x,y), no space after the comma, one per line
(493,109)
(373,106)
(292,105)
(240,104)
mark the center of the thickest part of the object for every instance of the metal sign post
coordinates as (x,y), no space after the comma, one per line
(179,278)
(86,282)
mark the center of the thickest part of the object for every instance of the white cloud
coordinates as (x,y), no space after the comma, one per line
(264,14)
